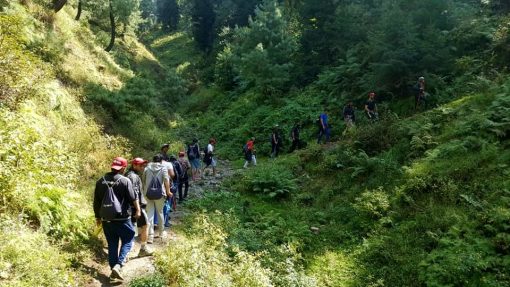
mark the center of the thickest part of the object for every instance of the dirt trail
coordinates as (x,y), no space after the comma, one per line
(140,267)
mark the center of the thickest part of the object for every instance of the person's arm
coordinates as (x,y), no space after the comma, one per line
(131,194)
(322,124)
(167,188)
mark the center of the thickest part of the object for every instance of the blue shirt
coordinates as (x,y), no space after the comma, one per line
(324,119)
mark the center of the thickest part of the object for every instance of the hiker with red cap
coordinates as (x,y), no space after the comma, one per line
(133,173)
(371,108)
(115,202)
(184,180)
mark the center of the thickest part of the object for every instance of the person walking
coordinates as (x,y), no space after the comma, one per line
(276,142)
(371,108)
(324,128)
(142,223)
(420,94)
(184,180)
(156,183)
(193,152)
(249,153)
(209,159)
(294,137)
(114,198)
(164,152)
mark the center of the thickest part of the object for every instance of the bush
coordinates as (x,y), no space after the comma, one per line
(271,180)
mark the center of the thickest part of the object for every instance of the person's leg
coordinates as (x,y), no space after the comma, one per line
(112,238)
(328,134)
(151,208)
(159,204)
(213,166)
(126,234)
(319,138)
(254,160)
(143,224)
(186,188)
(179,187)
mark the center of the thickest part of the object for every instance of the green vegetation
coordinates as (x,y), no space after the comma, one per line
(419,198)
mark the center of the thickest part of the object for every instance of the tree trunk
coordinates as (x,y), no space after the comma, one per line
(112,24)
(78,14)
(58,5)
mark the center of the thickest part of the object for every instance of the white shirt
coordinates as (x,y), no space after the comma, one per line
(210,148)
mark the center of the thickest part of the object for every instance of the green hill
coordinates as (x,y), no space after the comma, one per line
(418,198)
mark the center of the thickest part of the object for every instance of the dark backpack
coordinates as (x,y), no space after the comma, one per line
(111,208)
(155,188)
(245,148)
(179,172)
(191,153)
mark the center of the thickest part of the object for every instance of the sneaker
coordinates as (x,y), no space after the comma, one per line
(116,273)
(150,240)
(164,234)
(145,252)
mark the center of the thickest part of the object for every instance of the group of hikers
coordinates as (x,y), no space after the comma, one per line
(143,194)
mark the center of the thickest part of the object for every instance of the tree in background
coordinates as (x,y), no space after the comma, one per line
(260,55)
(168,14)
(203,18)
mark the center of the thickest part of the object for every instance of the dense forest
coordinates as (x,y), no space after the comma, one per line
(420,197)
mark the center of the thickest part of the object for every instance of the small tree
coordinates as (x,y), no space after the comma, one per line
(262,53)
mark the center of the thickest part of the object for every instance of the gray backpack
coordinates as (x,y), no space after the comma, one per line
(155,187)
(111,207)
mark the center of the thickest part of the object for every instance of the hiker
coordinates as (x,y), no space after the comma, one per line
(193,152)
(142,223)
(249,153)
(420,94)
(184,180)
(164,152)
(349,115)
(113,198)
(209,156)
(294,137)
(276,142)
(169,202)
(156,183)
(371,108)
(324,128)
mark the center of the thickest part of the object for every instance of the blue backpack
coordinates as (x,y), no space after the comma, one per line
(111,207)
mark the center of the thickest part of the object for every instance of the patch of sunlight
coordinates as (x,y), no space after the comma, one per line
(142,53)
(166,39)
(173,124)
(182,67)
(333,268)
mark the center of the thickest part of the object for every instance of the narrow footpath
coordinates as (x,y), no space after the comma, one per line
(141,267)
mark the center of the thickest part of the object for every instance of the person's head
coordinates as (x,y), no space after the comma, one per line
(119,165)
(181,154)
(164,148)
(349,103)
(371,95)
(252,139)
(157,158)
(421,79)
(212,141)
(138,164)
(172,158)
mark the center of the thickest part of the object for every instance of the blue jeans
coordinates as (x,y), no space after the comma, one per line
(322,132)
(113,231)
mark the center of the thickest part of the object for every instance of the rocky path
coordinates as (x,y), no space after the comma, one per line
(140,267)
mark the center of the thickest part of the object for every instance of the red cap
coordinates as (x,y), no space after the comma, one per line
(181,154)
(139,161)
(119,163)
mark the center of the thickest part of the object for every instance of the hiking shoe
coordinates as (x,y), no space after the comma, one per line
(116,273)
(164,235)
(150,240)
(145,252)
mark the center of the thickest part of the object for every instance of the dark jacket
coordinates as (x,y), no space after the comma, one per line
(123,191)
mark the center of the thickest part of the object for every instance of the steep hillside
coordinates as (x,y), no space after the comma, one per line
(56,84)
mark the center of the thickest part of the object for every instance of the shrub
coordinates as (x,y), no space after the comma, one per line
(271,180)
